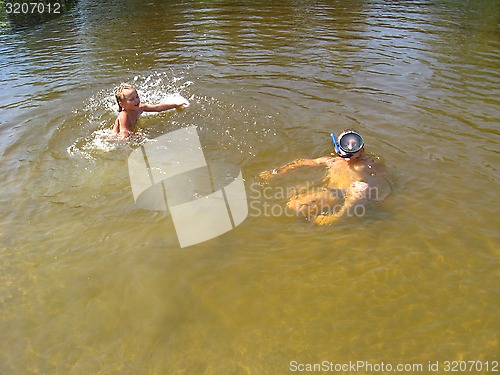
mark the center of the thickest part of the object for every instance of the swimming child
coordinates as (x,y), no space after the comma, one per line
(353,179)
(130,108)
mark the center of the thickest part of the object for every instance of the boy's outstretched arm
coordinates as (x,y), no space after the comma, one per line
(290,167)
(162,106)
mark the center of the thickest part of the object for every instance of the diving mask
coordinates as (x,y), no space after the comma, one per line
(348,143)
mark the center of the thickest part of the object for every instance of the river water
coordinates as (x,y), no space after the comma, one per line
(92,284)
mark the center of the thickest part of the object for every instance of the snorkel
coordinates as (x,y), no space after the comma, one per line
(349,143)
(335,144)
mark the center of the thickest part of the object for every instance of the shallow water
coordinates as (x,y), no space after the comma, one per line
(89,283)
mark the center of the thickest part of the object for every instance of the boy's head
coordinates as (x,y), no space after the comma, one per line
(120,93)
(350,144)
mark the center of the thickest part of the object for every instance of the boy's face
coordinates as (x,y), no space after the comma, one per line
(130,100)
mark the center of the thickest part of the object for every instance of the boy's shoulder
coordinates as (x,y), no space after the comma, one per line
(125,118)
(123,115)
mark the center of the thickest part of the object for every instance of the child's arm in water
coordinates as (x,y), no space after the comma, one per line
(290,167)
(355,195)
(162,106)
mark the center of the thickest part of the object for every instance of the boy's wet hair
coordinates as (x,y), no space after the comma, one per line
(119,94)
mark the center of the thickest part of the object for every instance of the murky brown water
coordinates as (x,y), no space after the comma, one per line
(91,284)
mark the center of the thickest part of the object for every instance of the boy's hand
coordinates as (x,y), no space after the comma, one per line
(179,102)
(268,174)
